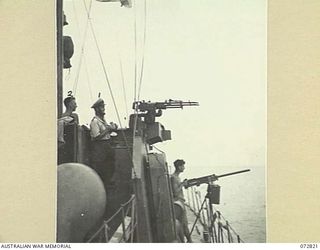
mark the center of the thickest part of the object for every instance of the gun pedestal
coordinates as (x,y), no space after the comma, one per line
(213,197)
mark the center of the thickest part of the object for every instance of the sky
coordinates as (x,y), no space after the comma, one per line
(209,51)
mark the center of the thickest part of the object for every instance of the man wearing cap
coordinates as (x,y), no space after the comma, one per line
(178,196)
(102,155)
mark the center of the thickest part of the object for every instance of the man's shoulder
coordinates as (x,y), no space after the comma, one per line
(175,177)
(94,121)
(75,115)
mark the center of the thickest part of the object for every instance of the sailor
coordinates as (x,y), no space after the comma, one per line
(68,117)
(178,196)
(102,154)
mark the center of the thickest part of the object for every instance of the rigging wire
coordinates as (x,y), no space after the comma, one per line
(67,77)
(108,84)
(124,89)
(137,96)
(144,45)
(135,51)
(103,65)
(122,79)
(79,66)
(135,79)
(75,86)
(88,79)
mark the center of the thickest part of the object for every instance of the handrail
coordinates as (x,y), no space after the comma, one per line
(124,214)
(215,219)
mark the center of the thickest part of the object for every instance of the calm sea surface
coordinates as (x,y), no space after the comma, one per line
(242,203)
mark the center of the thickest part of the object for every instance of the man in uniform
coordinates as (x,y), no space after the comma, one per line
(102,154)
(178,196)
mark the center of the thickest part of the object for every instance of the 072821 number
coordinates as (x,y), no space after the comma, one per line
(309,245)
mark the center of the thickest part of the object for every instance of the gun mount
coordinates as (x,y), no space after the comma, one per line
(209,178)
(151,110)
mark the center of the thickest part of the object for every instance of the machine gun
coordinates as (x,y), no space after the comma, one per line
(213,190)
(208,178)
(151,110)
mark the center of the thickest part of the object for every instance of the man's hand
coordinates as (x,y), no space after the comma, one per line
(113,126)
(212,178)
(185,183)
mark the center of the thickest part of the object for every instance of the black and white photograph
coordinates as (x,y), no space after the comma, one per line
(161,123)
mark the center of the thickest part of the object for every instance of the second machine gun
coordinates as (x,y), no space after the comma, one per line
(213,193)
(213,190)
(209,178)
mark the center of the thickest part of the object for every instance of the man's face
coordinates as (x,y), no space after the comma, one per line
(181,168)
(101,110)
(73,105)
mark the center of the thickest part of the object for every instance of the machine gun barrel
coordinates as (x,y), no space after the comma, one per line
(148,106)
(209,178)
(233,173)
(175,104)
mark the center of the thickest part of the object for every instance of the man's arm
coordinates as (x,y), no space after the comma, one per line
(175,186)
(95,130)
(76,118)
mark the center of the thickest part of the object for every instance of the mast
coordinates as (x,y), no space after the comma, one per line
(59,23)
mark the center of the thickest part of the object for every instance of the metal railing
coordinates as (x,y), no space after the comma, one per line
(128,227)
(216,229)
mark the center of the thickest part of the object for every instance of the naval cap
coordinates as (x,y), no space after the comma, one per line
(99,102)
